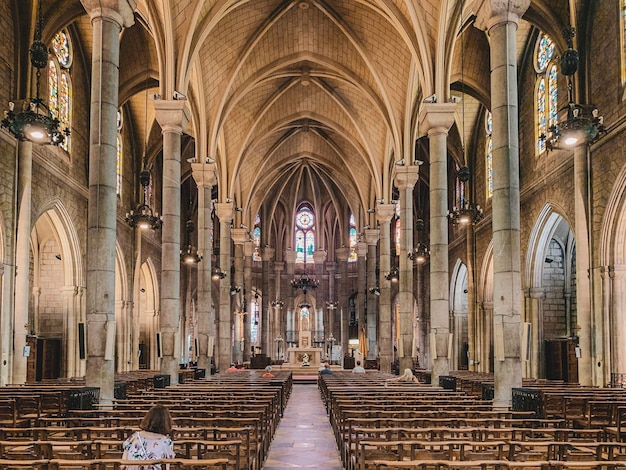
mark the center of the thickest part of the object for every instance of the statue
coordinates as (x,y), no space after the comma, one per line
(305,360)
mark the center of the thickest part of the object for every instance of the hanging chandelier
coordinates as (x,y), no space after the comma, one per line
(190,254)
(305,283)
(420,254)
(35,122)
(332,305)
(393,275)
(143,216)
(465,212)
(217,273)
(577,124)
(278,303)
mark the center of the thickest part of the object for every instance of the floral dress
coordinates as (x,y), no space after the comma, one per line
(140,447)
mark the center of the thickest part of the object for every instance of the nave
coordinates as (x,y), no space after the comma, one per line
(304,438)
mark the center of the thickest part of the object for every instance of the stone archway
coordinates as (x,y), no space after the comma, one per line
(459,316)
(146,322)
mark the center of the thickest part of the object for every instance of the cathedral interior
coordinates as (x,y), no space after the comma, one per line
(222,181)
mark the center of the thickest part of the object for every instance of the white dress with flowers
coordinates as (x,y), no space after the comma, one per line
(140,447)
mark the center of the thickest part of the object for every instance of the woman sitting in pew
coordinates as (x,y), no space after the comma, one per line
(152,441)
(407,377)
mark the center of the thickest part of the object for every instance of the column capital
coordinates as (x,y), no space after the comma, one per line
(436,118)
(120,11)
(172,115)
(225,211)
(204,174)
(268,253)
(385,212)
(239,236)
(361,249)
(371,236)
(406,176)
(319,256)
(342,253)
(290,256)
(490,13)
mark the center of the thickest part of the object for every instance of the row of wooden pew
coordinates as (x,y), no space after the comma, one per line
(377,425)
(225,421)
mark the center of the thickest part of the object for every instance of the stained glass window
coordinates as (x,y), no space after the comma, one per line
(120,155)
(546,90)
(353,240)
(59,83)
(305,235)
(398,229)
(489,154)
(256,238)
(553,89)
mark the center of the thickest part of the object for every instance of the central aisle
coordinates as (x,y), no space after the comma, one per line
(304,438)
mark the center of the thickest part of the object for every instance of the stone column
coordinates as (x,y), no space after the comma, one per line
(330,320)
(248,249)
(290,260)
(371,239)
(240,237)
(319,258)
(70,334)
(108,17)
(173,116)
(342,255)
(500,20)
(435,120)
(268,261)
(361,251)
(7,297)
(617,316)
(384,213)
(22,325)
(205,176)
(406,177)
(225,213)
(279,321)
(583,260)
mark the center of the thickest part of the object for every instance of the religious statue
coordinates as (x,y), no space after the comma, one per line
(305,360)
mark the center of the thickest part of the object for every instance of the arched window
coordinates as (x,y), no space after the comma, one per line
(305,235)
(59,83)
(120,155)
(353,240)
(256,238)
(546,90)
(489,153)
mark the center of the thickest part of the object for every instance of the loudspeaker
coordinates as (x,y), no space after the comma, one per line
(433,346)
(498,340)
(158,345)
(526,341)
(109,345)
(81,341)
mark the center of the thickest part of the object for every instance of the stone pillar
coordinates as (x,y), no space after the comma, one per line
(205,176)
(406,177)
(278,328)
(7,297)
(361,251)
(22,325)
(330,320)
(384,213)
(371,239)
(225,214)
(319,258)
(342,255)
(583,260)
(248,249)
(268,261)
(617,316)
(240,237)
(173,117)
(500,20)
(435,120)
(290,260)
(108,17)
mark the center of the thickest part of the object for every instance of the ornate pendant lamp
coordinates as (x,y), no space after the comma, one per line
(143,216)
(35,122)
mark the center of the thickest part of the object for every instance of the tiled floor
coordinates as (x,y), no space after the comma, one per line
(304,438)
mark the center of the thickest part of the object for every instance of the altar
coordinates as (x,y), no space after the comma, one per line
(295,356)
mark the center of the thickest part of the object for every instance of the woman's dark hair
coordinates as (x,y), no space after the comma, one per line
(157,420)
